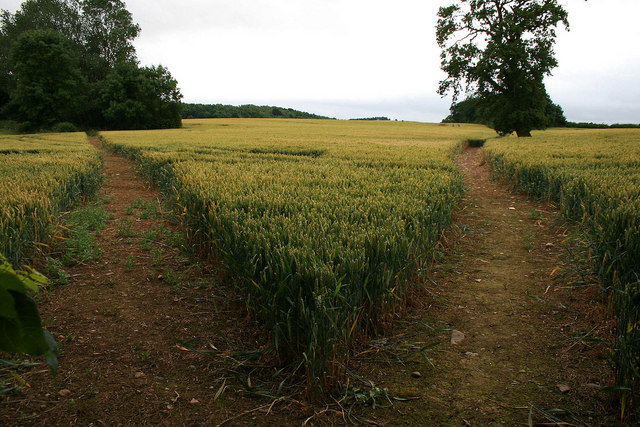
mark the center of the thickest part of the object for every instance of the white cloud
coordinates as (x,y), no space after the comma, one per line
(333,52)
(360,57)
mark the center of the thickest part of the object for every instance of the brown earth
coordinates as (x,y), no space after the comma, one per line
(150,335)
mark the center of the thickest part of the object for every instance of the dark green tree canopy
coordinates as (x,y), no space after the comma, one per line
(103,28)
(49,84)
(62,60)
(466,111)
(205,111)
(61,16)
(471,110)
(500,50)
(140,98)
(53,15)
(108,31)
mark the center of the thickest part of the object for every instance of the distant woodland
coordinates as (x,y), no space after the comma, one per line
(374,119)
(211,111)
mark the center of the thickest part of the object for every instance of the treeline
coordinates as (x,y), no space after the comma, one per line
(472,110)
(374,118)
(219,111)
(590,125)
(68,63)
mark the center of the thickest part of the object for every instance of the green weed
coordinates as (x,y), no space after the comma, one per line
(129,263)
(146,244)
(55,272)
(124,228)
(529,241)
(156,257)
(172,278)
(534,214)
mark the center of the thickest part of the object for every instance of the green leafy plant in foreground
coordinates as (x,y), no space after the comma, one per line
(21,330)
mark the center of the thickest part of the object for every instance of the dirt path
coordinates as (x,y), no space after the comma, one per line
(126,325)
(521,353)
(129,323)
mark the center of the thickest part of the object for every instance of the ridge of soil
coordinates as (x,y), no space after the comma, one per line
(152,343)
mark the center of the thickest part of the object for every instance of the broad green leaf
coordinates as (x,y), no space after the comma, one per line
(10,281)
(31,329)
(7,305)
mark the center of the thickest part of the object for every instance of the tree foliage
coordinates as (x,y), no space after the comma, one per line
(49,84)
(58,59)
(108,31)
(500,50)
(466,111)
(140,98)
(555,115)
(209,111)
(471,110)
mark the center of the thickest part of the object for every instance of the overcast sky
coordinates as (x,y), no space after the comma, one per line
(361,58)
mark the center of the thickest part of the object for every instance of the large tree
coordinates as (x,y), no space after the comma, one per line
(140,98)
(102,30)
(471,111)
(500,51)
(108,32)
(49,85)
(56,15)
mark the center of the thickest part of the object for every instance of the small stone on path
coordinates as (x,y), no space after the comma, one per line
(139,375)
(456,337)
(194,401)
(64,392)
(563,388)
(416,374)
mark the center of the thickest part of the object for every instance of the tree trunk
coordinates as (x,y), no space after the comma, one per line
(523,133)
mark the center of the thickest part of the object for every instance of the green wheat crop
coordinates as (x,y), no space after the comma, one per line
(322,220)
(594,176)
(41,176)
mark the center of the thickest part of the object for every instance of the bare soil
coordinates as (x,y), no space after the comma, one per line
(151,337)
